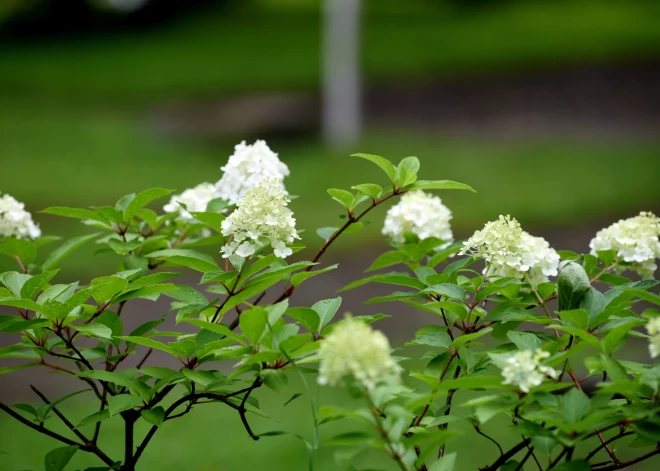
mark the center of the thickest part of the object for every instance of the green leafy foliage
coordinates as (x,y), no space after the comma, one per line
(544,358)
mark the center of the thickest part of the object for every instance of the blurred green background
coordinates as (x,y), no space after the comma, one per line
(549,108)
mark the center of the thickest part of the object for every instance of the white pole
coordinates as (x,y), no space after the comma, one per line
(341,72)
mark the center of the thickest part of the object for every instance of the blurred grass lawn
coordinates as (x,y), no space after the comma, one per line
(273,45)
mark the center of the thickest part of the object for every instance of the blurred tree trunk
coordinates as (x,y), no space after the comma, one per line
(341,72)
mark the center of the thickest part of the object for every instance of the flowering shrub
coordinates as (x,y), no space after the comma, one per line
(530,337)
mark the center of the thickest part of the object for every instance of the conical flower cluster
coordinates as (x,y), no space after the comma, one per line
(261,215)
(511,252)
(15,220)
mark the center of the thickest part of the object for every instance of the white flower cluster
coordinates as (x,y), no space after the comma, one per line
(355,349)
(246,168)
(653,328)
(635,240)
(195,200)
(524,369)
(511,252)
(261,213)
(15,220)
(420,213)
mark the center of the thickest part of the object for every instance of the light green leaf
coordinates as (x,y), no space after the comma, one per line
(440,185)
(58,458)
(217,328)
(76,213)
(382,162)
(446,463)
(121,402)
(187,258)
(253,324)
(298,278)
(154,416)
(326,310)
(574,405)
(343,197)
(306,316)
(447,289)
(142,199)
(94,330)
(370,189)
(147,342)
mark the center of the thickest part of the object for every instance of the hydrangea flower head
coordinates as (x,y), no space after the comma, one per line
(355,349)
(653,328)
(511,252)
(195,200)
(15,220)
(262,213)
(635,240)
(524,369)
(247,166)
(420,213)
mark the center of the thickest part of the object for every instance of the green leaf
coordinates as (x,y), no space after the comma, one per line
(326,310)
(407,171)
(614,337)
(614,369)
(152,279)
(24,249)
(472,382)
(308,317)
(574,405)
(253,324)
(121,402)
(58,458)
(93,418)
(387,260)
(463,339)
(18,324)
(94,330)
(122,248)
(572,284)
(446,463)
(210,219)
(147,292)
(343,197)
(392,278)
(142,199)
(274,379)
(187,258)
(447,289)
(14,281)
(76,213)
(326,232)
(278,272)
(147,342)
(434,339)
(34,285)
(382,162)
(298,278)
(370,189)
(11,369)
(576,318)
(106,287)
(524,340)
(217,328)
(65,249)
(154,416)
(440,185)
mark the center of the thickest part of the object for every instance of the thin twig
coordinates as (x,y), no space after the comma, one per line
(88,447)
